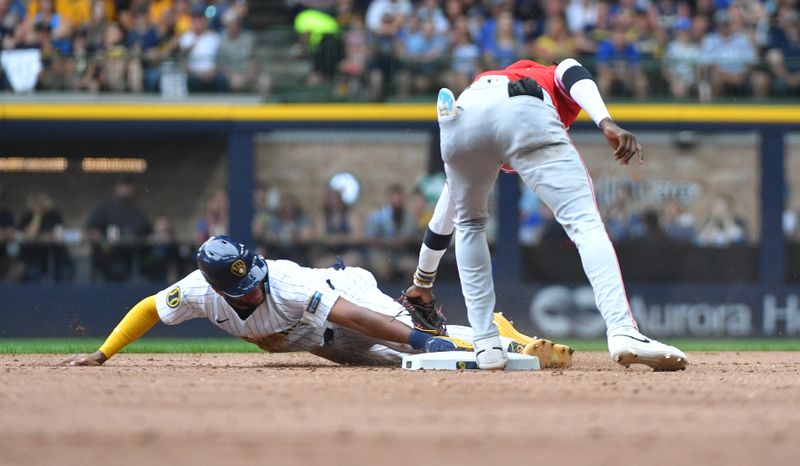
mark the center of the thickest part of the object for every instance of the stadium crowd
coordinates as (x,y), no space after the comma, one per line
(128,45)
(122,242)
(637,48)
(398,48)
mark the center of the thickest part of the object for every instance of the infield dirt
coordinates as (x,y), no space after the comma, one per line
(266,409)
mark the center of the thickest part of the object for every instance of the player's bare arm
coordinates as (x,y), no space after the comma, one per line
(384,327)
(622,141)
(363,320)
(141,318)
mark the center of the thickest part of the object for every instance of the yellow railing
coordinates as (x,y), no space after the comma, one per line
(644,112)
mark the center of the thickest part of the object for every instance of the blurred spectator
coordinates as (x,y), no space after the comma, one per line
(43,12)
(142,41)
(345,12)
(783,52)
(390,230)
(322,36)
(649,38)
(421,212)
(215,217)
(118,218)
(581,15)
(722,227)
(391,223)
(184,17)
(265,203)
(290,232)
(157,9)
(678,224)
(681,61)
(621,216)
(619,64)
(537,222)
(115,228)
(40,221)
(728,56)
(791,224)
(555,44)
(7,233)
(381,12)
(501,39)
(201,45)
(75,12)
(652,230)
(290,224)
(235,57)
(7,230)
(163,261)
(95,29)
(113,75)
(429,10)
(423,52)
(596,31)
(354,64)
(43,252)
(384,65)
(465,56)
(337,228)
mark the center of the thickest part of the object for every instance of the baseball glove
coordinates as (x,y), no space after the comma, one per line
(426,316)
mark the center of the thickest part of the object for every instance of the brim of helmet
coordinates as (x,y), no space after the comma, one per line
(247,284)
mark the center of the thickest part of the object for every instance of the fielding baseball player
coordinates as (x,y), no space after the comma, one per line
(338,314)
(519,116)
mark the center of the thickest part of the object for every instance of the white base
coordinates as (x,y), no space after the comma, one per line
(460,360)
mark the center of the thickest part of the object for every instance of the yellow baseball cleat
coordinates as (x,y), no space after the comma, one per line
(551,355)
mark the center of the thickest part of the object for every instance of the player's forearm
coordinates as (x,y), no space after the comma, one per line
(377,325)
(367,322)
(579,84)
(437,239)
(141,318)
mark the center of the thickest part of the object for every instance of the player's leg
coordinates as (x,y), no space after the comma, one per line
(565,186)
(467,150)
(437,238)
(471,193)
(345,346)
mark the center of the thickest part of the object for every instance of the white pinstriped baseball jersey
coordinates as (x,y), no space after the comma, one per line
(294,315)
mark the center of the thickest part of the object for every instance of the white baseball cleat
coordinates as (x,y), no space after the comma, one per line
(446,103)
(627,346)
(490,354)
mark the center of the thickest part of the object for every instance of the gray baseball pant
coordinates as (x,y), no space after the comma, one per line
(526,133)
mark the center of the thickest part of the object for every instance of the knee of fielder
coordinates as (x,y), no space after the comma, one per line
(586,229)
(475,225)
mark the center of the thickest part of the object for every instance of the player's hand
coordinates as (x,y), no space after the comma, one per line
(95,359)
(623,142)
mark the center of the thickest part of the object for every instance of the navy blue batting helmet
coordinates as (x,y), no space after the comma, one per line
(229,267)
